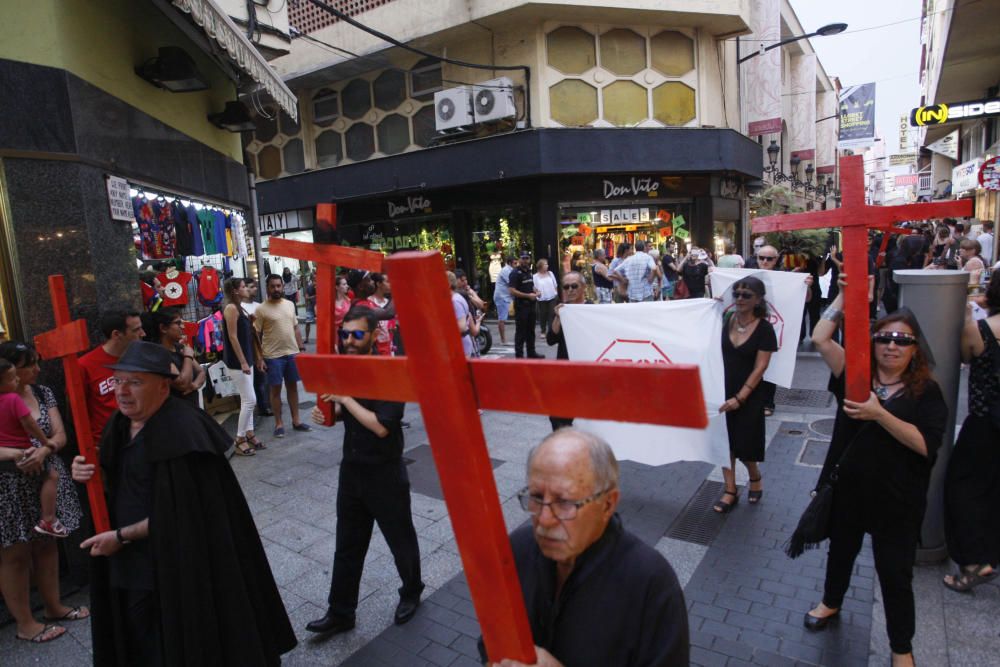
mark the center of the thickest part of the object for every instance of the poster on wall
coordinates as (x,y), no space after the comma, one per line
(802,125)
(763,72)
(857,115)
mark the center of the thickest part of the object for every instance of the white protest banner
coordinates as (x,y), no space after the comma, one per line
(785,294)
(658,332)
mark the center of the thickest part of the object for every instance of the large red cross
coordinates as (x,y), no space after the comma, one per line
(855,218)
(449,388)
(66,341)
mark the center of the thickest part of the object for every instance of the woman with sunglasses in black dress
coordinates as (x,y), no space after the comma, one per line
(748,340)
(885,448)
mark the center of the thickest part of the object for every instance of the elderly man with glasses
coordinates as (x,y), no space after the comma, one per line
(595,594)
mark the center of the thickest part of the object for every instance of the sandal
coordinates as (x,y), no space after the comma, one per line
(255,443)
(45,635)
(753,497)
(74,614)
(968,578)
(722,507)
(243,448)
(768,412)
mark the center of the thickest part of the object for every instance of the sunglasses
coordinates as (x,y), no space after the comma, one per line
(765,258)
(358,335)
(740,294)
(897,337)
(571,286)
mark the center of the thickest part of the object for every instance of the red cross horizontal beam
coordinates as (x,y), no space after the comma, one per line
(331,255)
(872,217)
(570,389)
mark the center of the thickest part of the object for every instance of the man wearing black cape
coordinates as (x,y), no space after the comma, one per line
(182,578)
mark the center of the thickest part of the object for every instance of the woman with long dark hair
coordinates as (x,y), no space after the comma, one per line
(748,340)
(165,327)
(240,354)
(972,484)
(882,452)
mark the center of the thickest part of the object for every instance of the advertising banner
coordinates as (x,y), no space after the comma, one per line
(785,294)
(966,176)
(762,87)
(857,115)
(655,333)
(802,124)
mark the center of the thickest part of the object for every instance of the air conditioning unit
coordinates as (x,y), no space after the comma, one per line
(494,100)
(453,108)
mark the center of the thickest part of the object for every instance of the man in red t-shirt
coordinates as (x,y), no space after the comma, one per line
(120,328)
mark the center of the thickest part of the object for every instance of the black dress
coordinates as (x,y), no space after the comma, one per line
(972,484)
(746,425)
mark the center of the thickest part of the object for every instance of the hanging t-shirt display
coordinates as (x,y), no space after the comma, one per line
(183,229)
(206,221)
(219,221)
(197,242)
(175,291)
(156,228)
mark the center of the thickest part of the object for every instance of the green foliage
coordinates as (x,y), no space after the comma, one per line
(777,200)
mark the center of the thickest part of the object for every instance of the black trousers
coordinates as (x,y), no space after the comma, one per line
(524,330)
(369,494)
(140,617)
(546,311)
(260,390)
(894,558)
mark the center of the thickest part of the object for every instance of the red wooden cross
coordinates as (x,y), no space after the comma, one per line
(450,388)
(855,218)
(67,340)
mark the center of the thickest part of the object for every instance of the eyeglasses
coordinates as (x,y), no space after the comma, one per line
(120,382)
(357,333)
(571,286)
(897,337)
(564,510)
(743,295)
(766,258)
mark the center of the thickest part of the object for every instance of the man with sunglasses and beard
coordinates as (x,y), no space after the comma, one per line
(572,289)
(373,487)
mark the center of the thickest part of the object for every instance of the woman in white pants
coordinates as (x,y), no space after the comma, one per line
(240,353)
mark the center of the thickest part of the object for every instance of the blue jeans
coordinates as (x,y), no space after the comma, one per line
(282,369)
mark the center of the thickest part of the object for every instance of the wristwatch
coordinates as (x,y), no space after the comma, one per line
(121,540)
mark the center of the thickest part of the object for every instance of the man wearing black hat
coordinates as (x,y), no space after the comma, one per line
(182,578)
(522,287)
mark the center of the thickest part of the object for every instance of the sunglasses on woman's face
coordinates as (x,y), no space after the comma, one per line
(740,294)
(897,337)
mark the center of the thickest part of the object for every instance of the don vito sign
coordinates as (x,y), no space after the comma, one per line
(410,206)
(636,186)
(954,112)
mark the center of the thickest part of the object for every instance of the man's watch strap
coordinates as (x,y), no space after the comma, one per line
(121,540)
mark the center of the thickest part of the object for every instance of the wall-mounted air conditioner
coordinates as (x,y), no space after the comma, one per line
(494,100)
(453,108)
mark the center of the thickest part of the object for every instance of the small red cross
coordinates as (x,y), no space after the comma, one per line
(66,341)
(855,218)
(450,388)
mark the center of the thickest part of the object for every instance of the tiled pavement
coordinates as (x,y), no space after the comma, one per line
(745,598)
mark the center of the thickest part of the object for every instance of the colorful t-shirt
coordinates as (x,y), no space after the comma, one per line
(12,410)
(219,221)
(175,290)
(197,242)
(206,221)
(101,403)
(156,228)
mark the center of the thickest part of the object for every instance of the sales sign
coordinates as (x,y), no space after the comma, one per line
(989,174)
(119,200)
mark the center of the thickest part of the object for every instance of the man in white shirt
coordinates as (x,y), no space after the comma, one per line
(641,271)
(985,239)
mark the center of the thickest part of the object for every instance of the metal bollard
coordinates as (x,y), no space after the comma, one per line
(938,299)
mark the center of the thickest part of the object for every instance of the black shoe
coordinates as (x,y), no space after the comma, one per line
(534,355)
(406,610)
(816,624)
(331,623)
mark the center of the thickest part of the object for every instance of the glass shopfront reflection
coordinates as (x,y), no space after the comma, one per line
(497,233)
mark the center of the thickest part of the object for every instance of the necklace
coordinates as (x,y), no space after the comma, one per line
(740,327)
(882,388)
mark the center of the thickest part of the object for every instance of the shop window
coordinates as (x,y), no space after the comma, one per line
(571,50)
(357,99)
(425,79)
(573,103)
(623,52)
(393,134)
(673,53)
(329,151)
(269,160)
(625,103)
(390,89)
(288,126)
(295,159)
(360,140)
(673,103)
(326,107)
(267,125)
(423,126)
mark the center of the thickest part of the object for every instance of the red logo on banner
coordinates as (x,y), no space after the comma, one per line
(622,350)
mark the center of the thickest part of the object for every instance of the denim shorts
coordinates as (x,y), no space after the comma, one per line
(503,309)
(282,369)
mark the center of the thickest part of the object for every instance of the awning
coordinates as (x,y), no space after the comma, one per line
(218,26)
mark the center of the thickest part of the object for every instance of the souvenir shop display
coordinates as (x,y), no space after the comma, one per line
(175,286)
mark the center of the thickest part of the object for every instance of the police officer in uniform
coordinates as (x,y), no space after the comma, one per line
(522,287)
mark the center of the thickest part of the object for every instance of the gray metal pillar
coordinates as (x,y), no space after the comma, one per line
(938,299)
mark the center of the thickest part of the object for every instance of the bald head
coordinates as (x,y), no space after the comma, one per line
(572,447)
(767,257)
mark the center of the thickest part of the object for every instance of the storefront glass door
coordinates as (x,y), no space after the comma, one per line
(497,233)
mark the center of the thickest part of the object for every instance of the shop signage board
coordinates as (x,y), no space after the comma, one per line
(119,199)
(965,176)
(954,112)
(946,146)
(279,222)
(416,205)
(636,186)
(905,180)
(905,140)
(902,159)
(989,174)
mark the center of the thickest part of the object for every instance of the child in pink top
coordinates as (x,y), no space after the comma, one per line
(17,427)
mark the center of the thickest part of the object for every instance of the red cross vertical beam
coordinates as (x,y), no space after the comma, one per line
(66,341)
(327,258)
(450,388)
(855,218)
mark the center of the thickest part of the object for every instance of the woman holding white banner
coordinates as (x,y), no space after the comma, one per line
(748,340)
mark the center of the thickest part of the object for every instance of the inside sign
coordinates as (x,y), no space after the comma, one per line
(119,201)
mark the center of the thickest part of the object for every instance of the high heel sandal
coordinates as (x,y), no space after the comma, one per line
(255,443)
(722,507)
(243,448)
(753,497)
